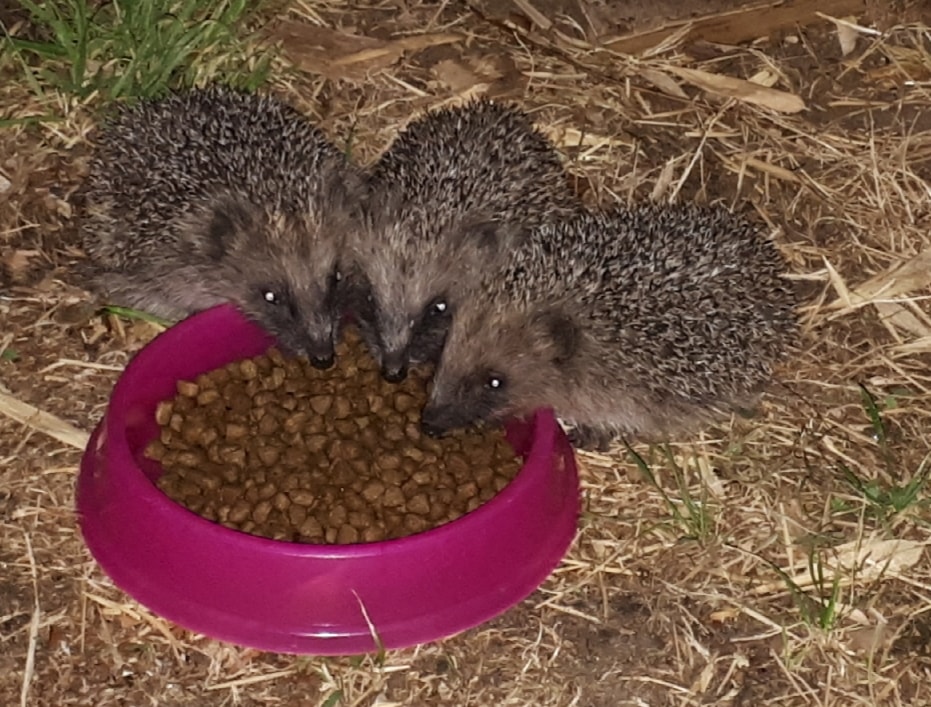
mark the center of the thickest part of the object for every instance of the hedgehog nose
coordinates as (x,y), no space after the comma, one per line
(394,373)
(430,429)
(322,362)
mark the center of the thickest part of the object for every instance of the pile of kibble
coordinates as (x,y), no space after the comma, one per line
(275,447)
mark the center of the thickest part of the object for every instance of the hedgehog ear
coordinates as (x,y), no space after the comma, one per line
(224,222)
(488,240)
(560,331)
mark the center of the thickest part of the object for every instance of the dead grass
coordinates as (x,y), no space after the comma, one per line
(750,571)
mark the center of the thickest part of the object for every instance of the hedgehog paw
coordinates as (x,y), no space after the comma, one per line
(591,439)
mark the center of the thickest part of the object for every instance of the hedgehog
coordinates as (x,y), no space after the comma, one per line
(215,195)
(453,187)
(643,322)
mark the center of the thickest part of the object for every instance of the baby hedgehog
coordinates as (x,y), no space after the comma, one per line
(642,322)
(452,185)
(212,196)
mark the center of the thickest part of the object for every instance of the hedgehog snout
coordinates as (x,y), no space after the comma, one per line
(394,350)
(430,425)
(431,430)
(323,362)
(318,350)
(437,420)
(394,366)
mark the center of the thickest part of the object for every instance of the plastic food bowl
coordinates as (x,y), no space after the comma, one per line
(300,598)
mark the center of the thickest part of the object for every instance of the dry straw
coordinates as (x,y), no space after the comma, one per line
(772,560)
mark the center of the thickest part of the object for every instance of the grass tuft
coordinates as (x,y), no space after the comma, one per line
(129,49)
(887,500)
(692,514)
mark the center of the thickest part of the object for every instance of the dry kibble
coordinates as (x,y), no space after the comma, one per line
(176,422)
(294,457)
(261,511)
(208,436)
(206,481)
(404,402)
(163,412)
(483,477)
(389,461)
(414,523)
(229,474)
(353,500)
(361,519)
(423,477)
(206,397)
(438,510)
(235,432)
(467,490)
(267,490)
(188,389)
(277,378)
(248,369)
(393,432)
(157,450)
(341,473)
(189,457)
(337,516)
(393,497)
(345,428)
(268,425)
(268,455)
(347,535)
(239,511)
(315,443)
(321,404)
(373,490)
(297,515)
(373,533)
(274,447)
(342,407)
(295,421)
(301,497)
(419,504)
(311,528)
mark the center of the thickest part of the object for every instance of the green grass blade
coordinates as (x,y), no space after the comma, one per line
(873,413)
(46,50)
(129,313)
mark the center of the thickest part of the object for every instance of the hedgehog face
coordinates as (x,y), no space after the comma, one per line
(299,313)
(498,365)
(281,272)
(404,289)
(405,313)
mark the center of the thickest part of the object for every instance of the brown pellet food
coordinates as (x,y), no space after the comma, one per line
(275,447)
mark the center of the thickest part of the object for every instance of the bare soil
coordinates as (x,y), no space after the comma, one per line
(701,588)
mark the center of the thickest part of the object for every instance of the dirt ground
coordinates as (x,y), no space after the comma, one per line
(771,561)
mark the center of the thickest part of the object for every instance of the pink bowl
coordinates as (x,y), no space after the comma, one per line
(297,598)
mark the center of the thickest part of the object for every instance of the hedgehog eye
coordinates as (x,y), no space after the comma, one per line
(438,307)
(280,297)
(496,382)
